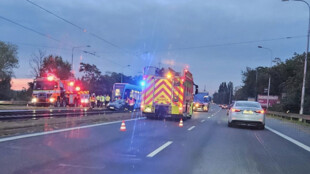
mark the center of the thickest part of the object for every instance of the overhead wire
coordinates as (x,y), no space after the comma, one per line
(77,26)
(29,29)
(234,43)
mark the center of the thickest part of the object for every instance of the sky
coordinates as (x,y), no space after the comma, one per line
(217,39)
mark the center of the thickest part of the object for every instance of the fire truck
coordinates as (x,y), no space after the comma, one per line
(167,93)
(50,90)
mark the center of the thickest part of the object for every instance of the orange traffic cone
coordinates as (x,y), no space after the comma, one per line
(181,123)
(123,126)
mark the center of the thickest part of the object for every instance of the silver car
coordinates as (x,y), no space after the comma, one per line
(246,113)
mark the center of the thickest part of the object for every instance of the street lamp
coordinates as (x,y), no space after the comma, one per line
(301,111)
(72,53)
(269,79)
(123,72)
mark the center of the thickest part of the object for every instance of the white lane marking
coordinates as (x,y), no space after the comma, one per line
(159,149)
(307,148)
(191,128)
(202,121)
(60,130)
(80,166)
(208,117)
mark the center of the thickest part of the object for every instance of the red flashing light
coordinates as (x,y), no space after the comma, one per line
(235,110)
(77,88)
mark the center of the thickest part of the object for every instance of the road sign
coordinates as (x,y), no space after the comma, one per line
(262,99)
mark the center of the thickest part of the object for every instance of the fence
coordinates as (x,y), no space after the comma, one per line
(14,102)
(291,116)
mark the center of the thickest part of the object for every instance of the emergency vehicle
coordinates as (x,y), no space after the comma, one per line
(202,102)
(50,90)
(167,93)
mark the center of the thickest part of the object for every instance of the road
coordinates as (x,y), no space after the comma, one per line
(204,145)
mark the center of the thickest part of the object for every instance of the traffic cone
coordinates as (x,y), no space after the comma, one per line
(181,123)
(123,126)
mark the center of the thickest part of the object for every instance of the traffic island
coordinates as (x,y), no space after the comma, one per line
(26,126)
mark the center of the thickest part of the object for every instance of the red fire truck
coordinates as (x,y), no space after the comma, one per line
(167,93)
(50,90)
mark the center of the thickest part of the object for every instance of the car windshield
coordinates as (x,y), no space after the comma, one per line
(247,104)
(44,85)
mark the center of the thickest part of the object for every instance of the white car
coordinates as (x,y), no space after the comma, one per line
(247,113)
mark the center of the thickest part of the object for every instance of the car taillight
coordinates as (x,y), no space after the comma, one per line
(235,110)
(260,111)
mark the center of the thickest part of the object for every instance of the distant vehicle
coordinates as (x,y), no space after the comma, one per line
(202,102)
(224,106)
(117,105)
(125,90)
(247,113)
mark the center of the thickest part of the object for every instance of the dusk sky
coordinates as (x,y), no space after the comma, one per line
(216,38)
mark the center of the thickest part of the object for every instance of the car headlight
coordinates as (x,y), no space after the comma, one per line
(52,100)
(148,109)
(34,100)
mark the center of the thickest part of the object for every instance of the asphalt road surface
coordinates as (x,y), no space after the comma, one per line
(204,145)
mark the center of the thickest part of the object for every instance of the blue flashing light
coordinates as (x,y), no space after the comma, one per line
(142,83)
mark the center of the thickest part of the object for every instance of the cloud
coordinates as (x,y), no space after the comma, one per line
(147,31)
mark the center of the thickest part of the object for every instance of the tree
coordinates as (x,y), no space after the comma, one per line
(230,90)
(224,94)
(91,72)
(286,81)
(103,84)
(8,61)
(36,63)
(57,66)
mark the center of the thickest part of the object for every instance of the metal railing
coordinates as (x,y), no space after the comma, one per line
(14,102)
(291,116)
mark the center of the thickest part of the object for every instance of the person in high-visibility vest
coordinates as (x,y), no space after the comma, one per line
(98,100)
(93,100)
(102,102)
(107,100)
(131,103)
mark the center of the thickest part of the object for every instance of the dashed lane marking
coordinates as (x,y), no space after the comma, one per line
(202,121)
(159,149)
(307,148)
(191,128)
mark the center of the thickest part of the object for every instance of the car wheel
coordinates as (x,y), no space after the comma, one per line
(229,124)
(262,127)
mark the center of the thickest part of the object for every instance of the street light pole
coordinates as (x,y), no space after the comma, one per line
(73,51)
(123,72)
(301,111)
(269,78)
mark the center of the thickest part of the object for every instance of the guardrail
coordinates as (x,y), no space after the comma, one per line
(14,102)
(291,116)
